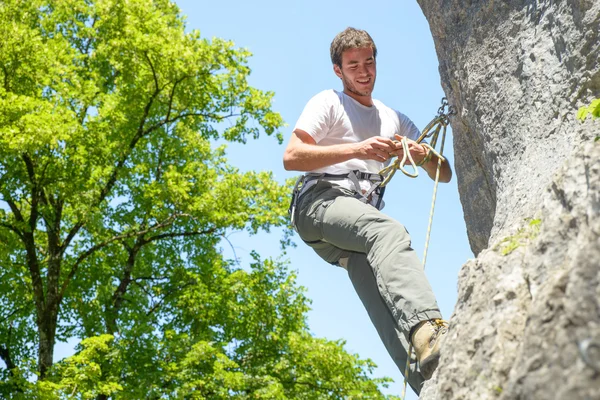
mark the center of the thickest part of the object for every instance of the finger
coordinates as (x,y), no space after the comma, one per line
(422,149)
(398,142)
(385,141)
(384,147)
(381,155)
(414,146)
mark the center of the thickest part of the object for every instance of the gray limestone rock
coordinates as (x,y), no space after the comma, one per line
(516,71)
(527,321)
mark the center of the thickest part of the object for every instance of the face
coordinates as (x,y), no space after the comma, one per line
(358,74)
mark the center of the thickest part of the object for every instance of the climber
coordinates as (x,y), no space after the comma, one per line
(342,140)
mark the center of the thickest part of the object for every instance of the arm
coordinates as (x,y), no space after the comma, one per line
(419,153)
(303,153)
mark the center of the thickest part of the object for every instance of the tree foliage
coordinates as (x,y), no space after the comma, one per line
(113,204)
(592,109)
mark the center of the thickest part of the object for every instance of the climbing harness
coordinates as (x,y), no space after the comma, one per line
(432,130)
(373,196)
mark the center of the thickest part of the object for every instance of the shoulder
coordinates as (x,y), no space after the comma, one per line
(325,102)
(327,97)
(389,111)
(404,124)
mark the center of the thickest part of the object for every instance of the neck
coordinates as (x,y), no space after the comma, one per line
(366,100)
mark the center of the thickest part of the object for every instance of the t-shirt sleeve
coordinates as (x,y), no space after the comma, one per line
(317,117)
(407,127)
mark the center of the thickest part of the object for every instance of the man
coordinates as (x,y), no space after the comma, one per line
(342,140)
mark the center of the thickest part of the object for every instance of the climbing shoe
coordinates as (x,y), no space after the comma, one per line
(426,339)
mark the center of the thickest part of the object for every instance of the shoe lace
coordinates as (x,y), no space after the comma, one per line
(440,326)
(441,323)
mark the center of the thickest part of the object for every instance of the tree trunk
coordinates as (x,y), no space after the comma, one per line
(47,331)
(6,357)
(49,318)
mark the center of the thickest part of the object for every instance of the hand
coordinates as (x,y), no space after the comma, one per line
(417,151)
(376,148)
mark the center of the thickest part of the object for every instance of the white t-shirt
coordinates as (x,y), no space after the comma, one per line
(333,117)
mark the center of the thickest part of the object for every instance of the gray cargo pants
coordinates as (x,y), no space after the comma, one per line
(384,269)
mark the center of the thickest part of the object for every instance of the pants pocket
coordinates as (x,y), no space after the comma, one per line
(319,215)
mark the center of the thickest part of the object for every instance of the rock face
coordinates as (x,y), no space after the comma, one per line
(527,321)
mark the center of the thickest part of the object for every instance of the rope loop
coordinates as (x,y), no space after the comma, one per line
(438,124)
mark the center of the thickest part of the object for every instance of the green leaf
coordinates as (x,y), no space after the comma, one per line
(593,109)
(582,113)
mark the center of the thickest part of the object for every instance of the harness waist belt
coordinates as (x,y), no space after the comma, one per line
(310,179)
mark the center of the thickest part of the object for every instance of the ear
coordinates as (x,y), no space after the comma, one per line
(337,70)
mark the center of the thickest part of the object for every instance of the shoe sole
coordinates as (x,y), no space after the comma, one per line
(429,365)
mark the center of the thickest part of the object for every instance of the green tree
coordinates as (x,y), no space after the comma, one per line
(113,205)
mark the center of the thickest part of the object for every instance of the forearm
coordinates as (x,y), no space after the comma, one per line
(431,167)
(308,157)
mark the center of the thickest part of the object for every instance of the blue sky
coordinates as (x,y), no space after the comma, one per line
(290,46)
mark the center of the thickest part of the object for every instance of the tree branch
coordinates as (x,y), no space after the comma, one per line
(119,294)
(126,280)
(13,228)
(113,177)
(172,96)
(180,234)
(158,173)
(156,86)
(161,301)
(101,245)
(135,282)
(88,42)
(185,115)
(12,313)
(13,207)
(150,278)
(235,257)
(33,215)
(5,355)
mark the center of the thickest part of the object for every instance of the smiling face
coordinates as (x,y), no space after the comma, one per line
(357,72)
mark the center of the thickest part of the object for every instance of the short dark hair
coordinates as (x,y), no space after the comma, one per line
(350,38)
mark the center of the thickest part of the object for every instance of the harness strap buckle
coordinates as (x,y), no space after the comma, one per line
(295,194)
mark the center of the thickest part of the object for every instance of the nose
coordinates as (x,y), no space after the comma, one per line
(363,70)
